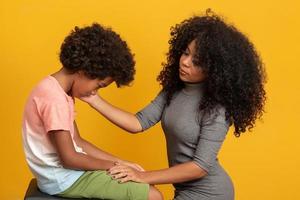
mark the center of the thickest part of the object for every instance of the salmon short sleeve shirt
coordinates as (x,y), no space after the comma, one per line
(48,108)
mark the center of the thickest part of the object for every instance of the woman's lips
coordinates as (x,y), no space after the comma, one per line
(182,72)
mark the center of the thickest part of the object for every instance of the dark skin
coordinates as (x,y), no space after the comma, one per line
(95,159)
(188,171)
(78,85)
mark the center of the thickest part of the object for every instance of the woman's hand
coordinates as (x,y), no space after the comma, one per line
(91,99)
(125,173)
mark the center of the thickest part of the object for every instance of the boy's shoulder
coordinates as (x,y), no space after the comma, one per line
(48,89)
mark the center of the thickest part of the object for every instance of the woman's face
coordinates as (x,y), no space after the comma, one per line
(188,71)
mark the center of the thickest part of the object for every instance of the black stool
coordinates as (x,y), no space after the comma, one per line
(33,193)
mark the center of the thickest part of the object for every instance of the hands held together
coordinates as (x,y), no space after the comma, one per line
(126,171)
(123,171)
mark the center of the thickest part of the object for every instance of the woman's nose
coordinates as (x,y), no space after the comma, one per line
(187,61)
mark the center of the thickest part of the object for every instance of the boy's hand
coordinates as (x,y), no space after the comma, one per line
(130,164)
(124,173)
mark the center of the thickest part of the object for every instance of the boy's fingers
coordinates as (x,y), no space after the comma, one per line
(117,170)
(140,168)
(117,167)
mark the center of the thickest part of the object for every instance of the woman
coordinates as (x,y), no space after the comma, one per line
(213,78)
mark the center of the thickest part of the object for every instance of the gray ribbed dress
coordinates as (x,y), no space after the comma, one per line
(192,136)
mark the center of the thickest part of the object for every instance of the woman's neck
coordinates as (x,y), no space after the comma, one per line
(193,88)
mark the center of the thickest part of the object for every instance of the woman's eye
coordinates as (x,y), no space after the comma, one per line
(194,61)
(185,53)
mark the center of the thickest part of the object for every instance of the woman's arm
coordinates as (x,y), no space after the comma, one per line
(180,173)
(121,118)
(144,119)
(213,131)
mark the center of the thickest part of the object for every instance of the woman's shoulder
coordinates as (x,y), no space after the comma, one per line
(215,114)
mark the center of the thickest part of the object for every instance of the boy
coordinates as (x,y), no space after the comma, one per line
(64,163)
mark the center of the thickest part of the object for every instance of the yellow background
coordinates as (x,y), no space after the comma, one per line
(263,164)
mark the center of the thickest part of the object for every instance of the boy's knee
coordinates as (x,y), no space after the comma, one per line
(154,194)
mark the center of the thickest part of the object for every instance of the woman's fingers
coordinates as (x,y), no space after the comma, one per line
(124,173)
(120,175)
(125,179)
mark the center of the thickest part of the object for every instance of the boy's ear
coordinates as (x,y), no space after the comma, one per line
(80,73)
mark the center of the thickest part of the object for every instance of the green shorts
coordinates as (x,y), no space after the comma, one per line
(97,184)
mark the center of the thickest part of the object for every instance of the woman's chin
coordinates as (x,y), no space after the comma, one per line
(183,78)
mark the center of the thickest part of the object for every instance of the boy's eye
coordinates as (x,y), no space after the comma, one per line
(101,86)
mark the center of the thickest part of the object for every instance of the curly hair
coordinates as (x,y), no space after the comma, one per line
(99,52)
(235,73)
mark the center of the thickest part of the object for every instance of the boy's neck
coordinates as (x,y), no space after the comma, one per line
(65,79)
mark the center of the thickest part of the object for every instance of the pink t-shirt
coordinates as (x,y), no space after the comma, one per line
(48,108)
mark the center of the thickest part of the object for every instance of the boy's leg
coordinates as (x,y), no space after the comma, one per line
(97,184)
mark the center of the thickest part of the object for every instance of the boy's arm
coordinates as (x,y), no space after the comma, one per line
(95,152)
(73,160)
(91,149)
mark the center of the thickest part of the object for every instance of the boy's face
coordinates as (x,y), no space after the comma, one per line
(84,86)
